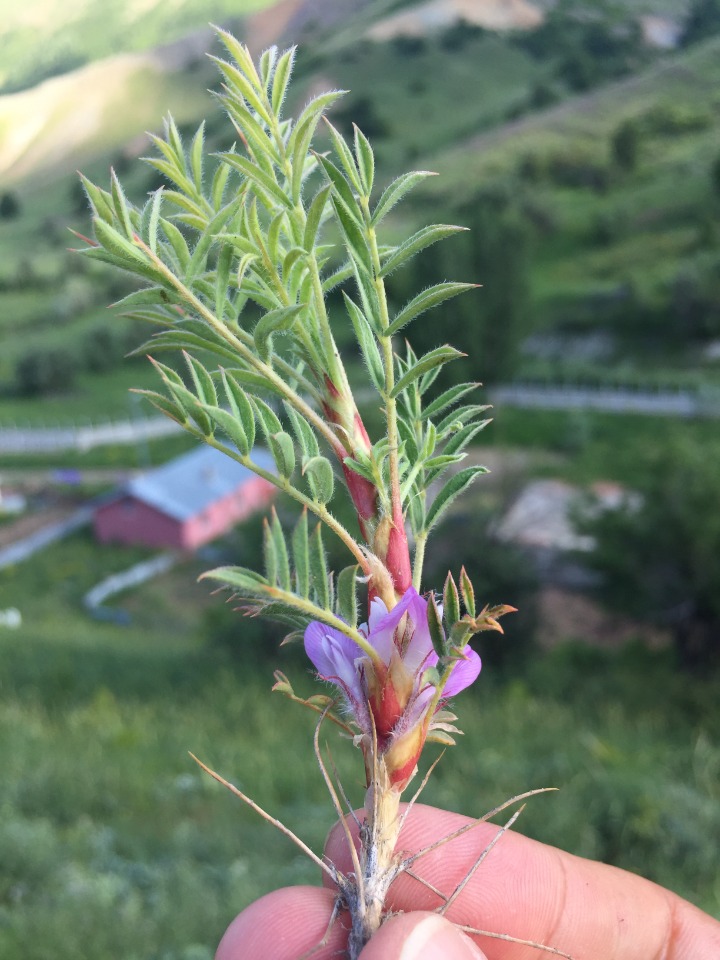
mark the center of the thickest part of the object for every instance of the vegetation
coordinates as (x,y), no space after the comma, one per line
(658,557)
(112,844)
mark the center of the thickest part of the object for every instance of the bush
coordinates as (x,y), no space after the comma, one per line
(674,119)
(579,169)
(625,145)
(40,372)
(9,206)
(659,556)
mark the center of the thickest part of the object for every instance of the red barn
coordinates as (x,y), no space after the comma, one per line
(185,503)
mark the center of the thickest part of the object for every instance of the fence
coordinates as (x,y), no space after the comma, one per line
(81,437)
(680,402)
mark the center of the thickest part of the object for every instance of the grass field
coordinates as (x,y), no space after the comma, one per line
(114,845)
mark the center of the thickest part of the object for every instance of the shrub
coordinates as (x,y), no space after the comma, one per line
(9,206)
(41,371)
(625,145)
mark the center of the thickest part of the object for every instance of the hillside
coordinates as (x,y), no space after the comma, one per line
(612,255)
(44,38)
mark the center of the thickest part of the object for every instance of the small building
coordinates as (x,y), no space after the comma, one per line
(186,502)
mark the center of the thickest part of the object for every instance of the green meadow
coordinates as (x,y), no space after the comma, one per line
(114,844)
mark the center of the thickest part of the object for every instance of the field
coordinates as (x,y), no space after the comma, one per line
(114,845)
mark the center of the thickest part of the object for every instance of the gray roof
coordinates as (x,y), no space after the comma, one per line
(184,487)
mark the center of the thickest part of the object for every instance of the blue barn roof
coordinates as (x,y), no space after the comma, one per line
(187,485)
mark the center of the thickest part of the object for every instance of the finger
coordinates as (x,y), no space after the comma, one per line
(284,925)
(420,936)
(530,891)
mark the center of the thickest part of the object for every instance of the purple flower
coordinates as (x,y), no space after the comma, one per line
(391,693)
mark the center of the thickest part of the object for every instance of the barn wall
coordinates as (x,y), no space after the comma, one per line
(221,515)
(127,520)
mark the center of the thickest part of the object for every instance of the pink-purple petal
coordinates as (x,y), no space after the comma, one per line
(463,674)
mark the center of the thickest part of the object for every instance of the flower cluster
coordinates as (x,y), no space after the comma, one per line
(393,695)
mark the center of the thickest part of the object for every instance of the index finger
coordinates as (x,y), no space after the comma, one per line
(531,891)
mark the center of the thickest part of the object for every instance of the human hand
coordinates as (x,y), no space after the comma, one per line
(524,889)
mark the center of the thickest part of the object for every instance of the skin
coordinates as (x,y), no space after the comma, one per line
(525,889)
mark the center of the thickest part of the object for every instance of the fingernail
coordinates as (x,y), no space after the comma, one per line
(437,939)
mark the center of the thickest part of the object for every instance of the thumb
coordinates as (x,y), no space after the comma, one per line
(420,936)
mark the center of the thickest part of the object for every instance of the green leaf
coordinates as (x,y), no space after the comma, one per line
(255,381)
(222,280)
(192,408)
(270,557)
(169,376)
(210,236)
(178,243)
(154,219)
(281,78)
(345,156)
(267,64)
(184,339)
(451,602)
(229,425)
(447,399)
(456,485)
(468,594)
(144,297)
(100,200)
(347,601)
(365,160)
(196,157)
(301,555)
(266,416)
(437,634)
(318,569)
(342,189)
(116,244)
(120,204)
(315,216)
(219,184)
(463,437)
(354,237)
(275,321)
(367,343)
(396,191)
(337,277)
(240,85)
(321,478)
(428,361)
(281,552)
(457,419)
(164,405)
(240,406)
(425,301)
(246,581)
(283,451)
(204,386)
(304,434)
(258,177)
(419,241)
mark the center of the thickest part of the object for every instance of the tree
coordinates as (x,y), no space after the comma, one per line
(9,206)
(43,371)
(659,557)
(702,21)
(490,323)
(625,145)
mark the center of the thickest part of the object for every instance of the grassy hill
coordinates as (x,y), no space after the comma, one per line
(634,249)
(44,38)
(614,250)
